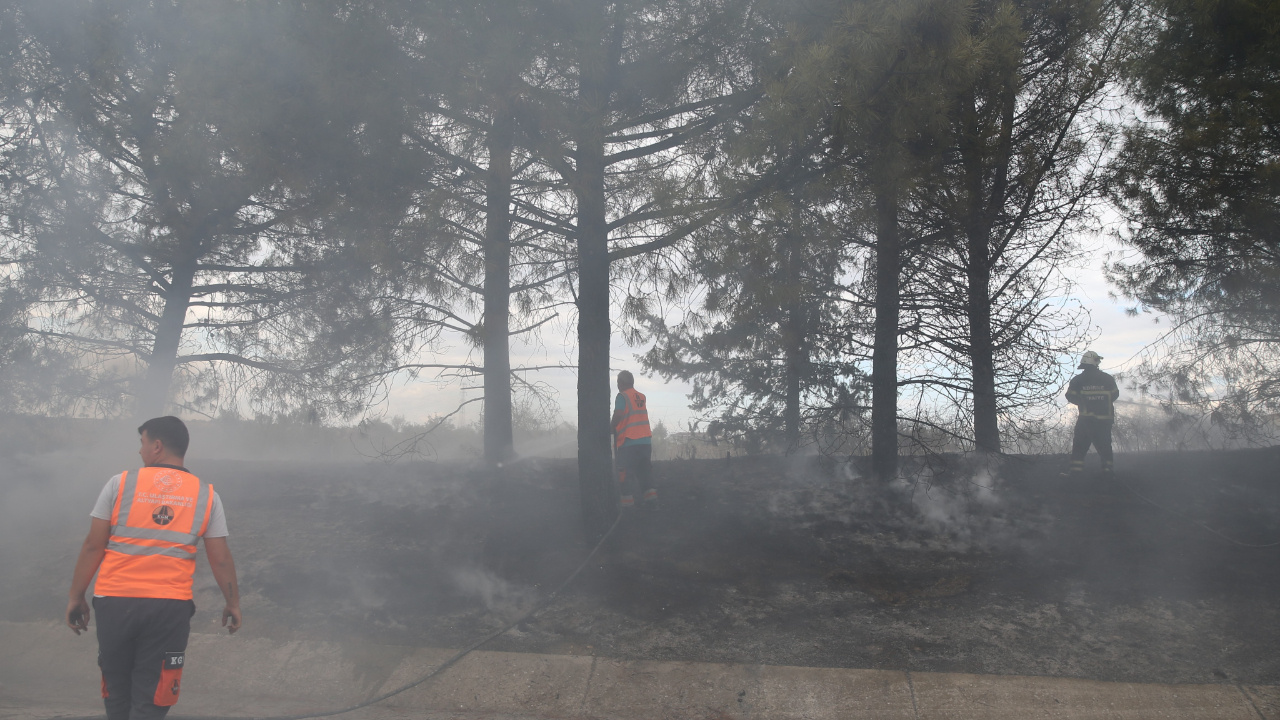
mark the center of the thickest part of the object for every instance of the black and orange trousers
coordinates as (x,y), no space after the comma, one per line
(142,645)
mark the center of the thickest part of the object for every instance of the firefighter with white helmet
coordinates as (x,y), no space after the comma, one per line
(1094,393)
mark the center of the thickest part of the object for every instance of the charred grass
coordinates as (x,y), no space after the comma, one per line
(958,566)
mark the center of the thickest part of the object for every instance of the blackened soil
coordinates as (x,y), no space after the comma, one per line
(1004,569)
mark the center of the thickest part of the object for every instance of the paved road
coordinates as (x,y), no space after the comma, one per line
(49,672)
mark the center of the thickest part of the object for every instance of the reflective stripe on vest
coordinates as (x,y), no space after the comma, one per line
(635,422)
(1095,402)
(158,517)
(128,549)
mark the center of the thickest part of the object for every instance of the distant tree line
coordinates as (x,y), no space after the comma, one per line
(846,223)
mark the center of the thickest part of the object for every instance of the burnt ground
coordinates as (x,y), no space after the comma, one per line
(761,560)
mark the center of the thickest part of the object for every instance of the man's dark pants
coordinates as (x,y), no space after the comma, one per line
(634,466)
(142,644)
(1091,432)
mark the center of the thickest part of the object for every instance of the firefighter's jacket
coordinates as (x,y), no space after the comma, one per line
(1095,393)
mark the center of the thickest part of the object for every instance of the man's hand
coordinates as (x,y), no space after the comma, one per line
(91,552)
(232,613)
(224,571)
(78,614)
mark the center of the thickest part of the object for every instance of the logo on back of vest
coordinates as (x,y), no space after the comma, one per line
(166,482)
(163,515)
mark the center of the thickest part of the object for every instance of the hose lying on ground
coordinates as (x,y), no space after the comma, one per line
(1193,521)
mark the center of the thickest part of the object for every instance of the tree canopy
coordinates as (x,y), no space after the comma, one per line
(185,170)
(848,224)
(1199,184)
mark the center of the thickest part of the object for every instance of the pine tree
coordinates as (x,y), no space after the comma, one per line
(1199,183)
(185,155)
(474,58)
(1018,175)
(755,347)
(866,82)
(638,89)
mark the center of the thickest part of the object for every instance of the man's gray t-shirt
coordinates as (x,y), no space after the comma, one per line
(107,501)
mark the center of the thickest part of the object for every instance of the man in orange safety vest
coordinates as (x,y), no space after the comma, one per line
(633,443)
(142,546)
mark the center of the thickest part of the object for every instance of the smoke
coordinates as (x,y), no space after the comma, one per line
(926,506)
(497,595)
(956,501)
(956,518)
(948,502)
(52,473)
(309,479)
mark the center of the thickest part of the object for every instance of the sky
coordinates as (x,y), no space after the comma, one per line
(1119,339)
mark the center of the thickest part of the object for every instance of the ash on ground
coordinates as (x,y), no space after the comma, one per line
(959,566)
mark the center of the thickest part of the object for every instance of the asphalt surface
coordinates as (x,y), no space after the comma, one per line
(236,677)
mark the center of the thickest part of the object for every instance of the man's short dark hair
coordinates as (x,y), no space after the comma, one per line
(170,431)
(626,379)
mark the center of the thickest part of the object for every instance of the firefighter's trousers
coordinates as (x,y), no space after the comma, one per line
(1093,432)
(142,644)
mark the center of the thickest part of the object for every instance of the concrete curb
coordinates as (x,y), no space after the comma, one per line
(47,671)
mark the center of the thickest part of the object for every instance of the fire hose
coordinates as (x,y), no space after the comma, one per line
(1193,521)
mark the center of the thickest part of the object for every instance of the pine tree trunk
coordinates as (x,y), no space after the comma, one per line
(595,463)
(986,428)
(793,338)
(791,413)
(498,441)
(153,396)
(884,358)
(978,228)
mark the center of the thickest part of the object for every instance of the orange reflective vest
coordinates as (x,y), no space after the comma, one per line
(159,515)
(635,422)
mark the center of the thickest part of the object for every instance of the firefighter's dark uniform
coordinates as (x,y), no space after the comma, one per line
(1094,393)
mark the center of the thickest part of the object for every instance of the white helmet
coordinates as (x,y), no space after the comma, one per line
(1090,358)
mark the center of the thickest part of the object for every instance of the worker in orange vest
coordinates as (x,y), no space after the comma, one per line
(142,545)
(633,443)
